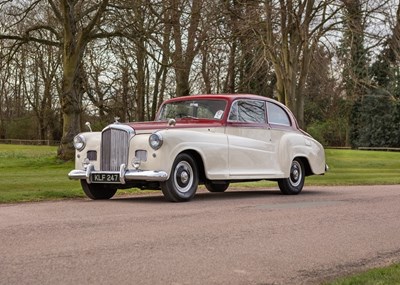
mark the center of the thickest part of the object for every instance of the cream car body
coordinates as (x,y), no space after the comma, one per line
(213,144)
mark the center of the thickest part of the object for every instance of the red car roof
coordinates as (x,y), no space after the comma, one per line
(229,97)
(232,97)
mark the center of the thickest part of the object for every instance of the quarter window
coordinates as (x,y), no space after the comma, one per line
(249,111)
(277,115)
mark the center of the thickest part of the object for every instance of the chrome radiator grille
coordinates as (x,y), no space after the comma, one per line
(114,149)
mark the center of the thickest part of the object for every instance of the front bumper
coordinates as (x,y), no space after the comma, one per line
(124,175)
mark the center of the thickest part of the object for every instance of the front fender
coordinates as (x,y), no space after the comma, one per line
(212,147)
(93,142)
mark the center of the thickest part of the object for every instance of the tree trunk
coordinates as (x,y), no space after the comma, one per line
(72,88)
(125,90)
(229,86)
(394,41)
(75,40)
(141,81)
(182,82)
(183,57)
(70,107)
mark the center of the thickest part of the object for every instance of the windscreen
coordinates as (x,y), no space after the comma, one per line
(195,109)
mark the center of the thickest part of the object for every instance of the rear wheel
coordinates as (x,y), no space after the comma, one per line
(98,191)
(182,183)
(216,187)
(295,182)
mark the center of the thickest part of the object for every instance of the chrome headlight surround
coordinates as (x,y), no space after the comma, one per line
(79,142)
(155,141)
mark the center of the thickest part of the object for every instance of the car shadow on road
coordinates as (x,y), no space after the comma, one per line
(203,195)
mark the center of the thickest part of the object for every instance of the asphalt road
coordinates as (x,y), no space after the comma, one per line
(237,237)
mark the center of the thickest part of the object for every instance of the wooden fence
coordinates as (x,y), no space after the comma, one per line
(29,142)
(380,148)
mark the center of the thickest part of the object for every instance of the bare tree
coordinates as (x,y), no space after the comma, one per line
(290,32)
(72,25)
(5,75)
(187,40)
(353,51)
(394,41)
(13,103)
(99,78)
(40,85)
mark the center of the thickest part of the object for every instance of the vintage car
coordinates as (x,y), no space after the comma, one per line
(213,140)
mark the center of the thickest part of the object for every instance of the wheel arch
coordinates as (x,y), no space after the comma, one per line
(199,161)
(306,164)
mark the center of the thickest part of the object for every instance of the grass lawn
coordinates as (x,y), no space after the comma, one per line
(352,167)
(379,276)
(33,173)
(358,167)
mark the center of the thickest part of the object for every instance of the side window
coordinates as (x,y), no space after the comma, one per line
(249,111)
(277,115)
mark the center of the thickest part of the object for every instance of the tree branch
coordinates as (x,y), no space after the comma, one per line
(56,11)
(94,21)
(27,38)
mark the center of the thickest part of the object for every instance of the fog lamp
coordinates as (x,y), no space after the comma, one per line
(136,163)
(85,163)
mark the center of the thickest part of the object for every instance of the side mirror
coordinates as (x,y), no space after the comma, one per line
(171,122)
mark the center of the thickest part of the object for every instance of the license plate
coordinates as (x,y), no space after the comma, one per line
(105,178)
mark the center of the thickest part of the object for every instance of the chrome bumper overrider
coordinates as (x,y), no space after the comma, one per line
(125,175)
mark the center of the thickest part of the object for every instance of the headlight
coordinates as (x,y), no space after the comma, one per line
(79,142)
(155,141)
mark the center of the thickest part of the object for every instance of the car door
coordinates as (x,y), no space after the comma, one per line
(250,150)
(282,133)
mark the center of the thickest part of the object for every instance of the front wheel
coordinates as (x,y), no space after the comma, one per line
(98,191)
(295,182)
(182,183)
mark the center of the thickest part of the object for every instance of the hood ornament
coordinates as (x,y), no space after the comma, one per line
(116,120)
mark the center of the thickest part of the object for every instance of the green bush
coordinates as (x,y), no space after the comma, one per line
(375,122)
(22,128)
(329,133)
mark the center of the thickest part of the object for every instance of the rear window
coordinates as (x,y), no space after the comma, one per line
(277,115)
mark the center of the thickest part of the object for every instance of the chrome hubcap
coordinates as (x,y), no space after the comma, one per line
(295,174)
(183,176)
